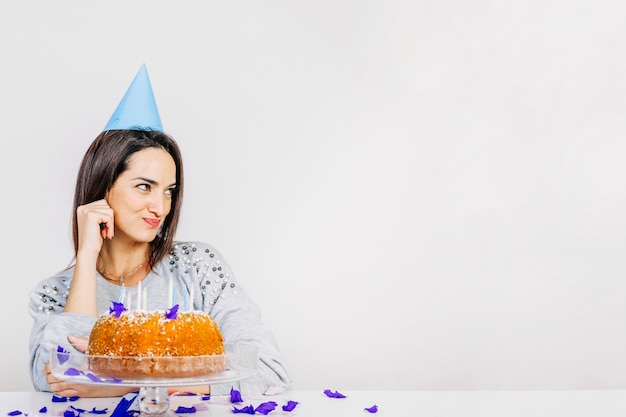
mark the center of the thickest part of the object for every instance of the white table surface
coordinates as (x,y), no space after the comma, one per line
(603,403)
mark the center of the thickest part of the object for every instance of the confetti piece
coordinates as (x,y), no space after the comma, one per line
(265,408)
(372,409)
(290,406)
(71,372)
(93,377)
(335,394)
(235,396)
(185,410)
(172,313)
(249,409)
(123,406)
(117,309)
(62,355)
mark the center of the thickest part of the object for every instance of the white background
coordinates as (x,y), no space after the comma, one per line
(418,194)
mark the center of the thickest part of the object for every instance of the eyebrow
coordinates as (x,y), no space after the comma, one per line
(152,182)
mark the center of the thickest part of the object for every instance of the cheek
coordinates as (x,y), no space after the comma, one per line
(134,204)
(168,207)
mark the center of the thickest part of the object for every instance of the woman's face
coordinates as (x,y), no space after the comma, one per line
(141,197)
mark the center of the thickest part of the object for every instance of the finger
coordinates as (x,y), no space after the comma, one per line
(52,380)
(80,343)
(103,230)
(106,225)
(67,392)
(97,213)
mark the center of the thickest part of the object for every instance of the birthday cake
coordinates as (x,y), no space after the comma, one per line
(147,344)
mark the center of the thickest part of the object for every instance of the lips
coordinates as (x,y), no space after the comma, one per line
(152,222)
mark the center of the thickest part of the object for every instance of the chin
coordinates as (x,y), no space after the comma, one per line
(147,238)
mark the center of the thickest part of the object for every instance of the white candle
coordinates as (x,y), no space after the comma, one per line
(191,292)
(128,301)
(145,299)
(120,298)
(170,292)
(139,296)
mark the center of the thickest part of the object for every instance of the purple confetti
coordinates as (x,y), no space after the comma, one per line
(172,313)
(185,410)
(70,413)
(335,394)
(96,411)
(14,413)
(265,408)
(205,397)
(290,405)
(117,309)
(93,377)
(121,409)
(74,398)
(235,396)
(62,355)
(43,410)
(372,409)
(249,409)
(72,372)
(56,399)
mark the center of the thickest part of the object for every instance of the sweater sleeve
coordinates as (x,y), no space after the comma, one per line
(239,319)
(52,327)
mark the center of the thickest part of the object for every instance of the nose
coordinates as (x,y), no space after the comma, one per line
(158,206)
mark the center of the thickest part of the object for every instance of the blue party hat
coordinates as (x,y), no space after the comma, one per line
(137,109)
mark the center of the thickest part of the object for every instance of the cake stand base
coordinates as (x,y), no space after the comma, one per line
(154,401)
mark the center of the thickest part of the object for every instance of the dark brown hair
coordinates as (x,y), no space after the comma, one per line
(107,158)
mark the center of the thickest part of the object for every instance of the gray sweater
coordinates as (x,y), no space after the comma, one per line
(195,270)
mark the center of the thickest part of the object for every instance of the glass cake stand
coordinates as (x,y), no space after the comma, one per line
(236,364)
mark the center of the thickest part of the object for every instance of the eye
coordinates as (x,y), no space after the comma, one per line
(170,191)
(144,187)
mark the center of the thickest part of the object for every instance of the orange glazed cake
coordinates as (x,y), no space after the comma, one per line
(153,344)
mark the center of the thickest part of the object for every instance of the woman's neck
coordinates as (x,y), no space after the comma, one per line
(124,265)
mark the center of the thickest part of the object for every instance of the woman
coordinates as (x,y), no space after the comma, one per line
(126,209)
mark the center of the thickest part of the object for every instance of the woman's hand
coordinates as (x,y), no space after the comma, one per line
(71,389)
(95,223)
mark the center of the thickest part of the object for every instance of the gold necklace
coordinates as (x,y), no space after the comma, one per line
(121,277)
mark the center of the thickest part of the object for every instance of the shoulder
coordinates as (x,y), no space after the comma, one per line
(55,283)
(194,250)
(50,294)
(193,253)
